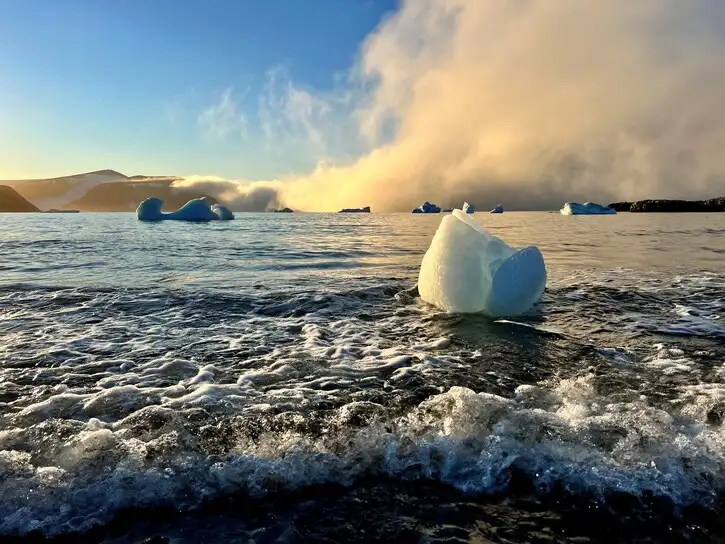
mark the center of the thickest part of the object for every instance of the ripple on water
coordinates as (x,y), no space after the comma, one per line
(122,398)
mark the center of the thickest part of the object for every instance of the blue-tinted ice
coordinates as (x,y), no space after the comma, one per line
(468,270)
(194,210)
(588,208)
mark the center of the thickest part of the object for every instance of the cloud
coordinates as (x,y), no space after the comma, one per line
(525,102)
(223,119)
(316,125)
(239,195)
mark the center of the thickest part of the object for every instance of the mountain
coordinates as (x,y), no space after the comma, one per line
(125,196)
(58,192)
(104,191)
(11,201)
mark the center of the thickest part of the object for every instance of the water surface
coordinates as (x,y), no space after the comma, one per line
(277,379)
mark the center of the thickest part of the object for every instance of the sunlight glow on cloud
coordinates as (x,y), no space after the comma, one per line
(529,103)
(224,118)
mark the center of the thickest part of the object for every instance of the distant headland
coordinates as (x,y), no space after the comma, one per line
(102,191)
(671,206)
(11,201)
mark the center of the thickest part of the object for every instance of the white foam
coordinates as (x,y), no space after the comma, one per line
(563,431)
(669,360)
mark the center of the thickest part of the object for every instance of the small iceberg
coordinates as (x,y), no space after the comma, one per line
(195,210)
(468,270)
(469,208)
(366,209)
(222,212)
(497,209)
(588,208)
(427,207)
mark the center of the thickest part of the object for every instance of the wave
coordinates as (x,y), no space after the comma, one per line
(610,394)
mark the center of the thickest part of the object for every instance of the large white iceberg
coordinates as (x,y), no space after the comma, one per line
(466,270)
(194,210)
(588,208)
(497,209)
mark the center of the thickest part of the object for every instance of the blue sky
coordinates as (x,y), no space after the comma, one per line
(168,86)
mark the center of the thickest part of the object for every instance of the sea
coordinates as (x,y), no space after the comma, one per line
(277,378)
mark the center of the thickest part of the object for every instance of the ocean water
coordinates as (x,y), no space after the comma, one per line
(277,379)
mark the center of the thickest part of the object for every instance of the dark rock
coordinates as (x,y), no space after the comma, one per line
(366,209)
(621,206)
(284,210)
(671,206)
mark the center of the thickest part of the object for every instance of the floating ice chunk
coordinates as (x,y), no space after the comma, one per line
(497,209)
(466,269)
(194,210)
(469,208)
(588,208)
(222,212)
(427,207)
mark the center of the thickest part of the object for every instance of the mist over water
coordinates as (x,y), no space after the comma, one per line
(278,378)
(530,103)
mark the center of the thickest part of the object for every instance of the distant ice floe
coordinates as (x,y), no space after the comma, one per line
(197,210)
(497,209)
(468,270)
(427,207)
(588,208)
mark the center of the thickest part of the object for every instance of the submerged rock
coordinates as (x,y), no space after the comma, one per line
(468,270)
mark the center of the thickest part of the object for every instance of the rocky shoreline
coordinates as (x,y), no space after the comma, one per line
(671,206)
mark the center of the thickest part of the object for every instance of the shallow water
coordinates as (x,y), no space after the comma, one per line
(276,378)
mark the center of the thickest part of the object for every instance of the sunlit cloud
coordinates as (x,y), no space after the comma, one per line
(223,118)
(299,119)
(239,195)
(526,103)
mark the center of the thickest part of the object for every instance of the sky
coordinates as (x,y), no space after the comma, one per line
(165,87)
(324,104)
